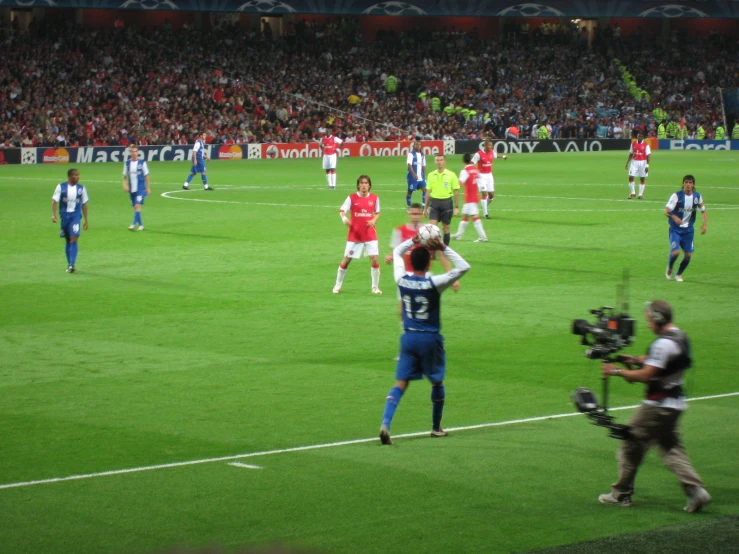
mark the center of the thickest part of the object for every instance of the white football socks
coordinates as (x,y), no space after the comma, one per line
(375,271)
(479,229)
(340,276)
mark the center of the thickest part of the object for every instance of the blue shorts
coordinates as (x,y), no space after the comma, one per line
(421,354)
(415,185)
(71,227)
(137,198)
(682,238)
(198,167)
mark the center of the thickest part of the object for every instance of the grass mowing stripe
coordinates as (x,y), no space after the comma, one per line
(316,447)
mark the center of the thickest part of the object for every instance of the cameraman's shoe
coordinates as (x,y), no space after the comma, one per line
(698,500)
(610,499)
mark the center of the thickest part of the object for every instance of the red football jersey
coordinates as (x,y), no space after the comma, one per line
(485,161)
(640,150)
(330,144)
(469,178)
(362,209)
(401,234)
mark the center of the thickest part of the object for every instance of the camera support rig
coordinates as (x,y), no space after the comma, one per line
(608,335)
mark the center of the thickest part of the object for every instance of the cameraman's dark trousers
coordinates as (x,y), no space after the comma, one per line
(654,425)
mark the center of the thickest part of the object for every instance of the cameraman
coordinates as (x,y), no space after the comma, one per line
(656,420)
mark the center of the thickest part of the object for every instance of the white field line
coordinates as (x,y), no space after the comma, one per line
(527,210)
(313,447)
(247,466)
(400,185)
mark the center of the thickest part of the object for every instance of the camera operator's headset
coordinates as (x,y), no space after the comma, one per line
(661,319)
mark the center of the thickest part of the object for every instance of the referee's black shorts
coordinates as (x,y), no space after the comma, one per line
(441,210)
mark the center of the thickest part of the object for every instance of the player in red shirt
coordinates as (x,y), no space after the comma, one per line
(468,177)
(638,164)
(329,145)
(485,182)
(364,209)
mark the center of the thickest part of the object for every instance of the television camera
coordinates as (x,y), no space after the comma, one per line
(609,333)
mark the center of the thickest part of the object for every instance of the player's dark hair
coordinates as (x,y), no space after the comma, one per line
(69,172)
(467,158)
(420,259)
(689,178)
(440,155)
(364,177)
(417,206)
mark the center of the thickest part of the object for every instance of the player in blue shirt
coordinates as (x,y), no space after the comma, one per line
(416,176)
(422,345)
(72,200)
(136,183)
(680,210)
(199,155)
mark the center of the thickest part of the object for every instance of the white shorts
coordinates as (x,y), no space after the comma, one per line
(355,249)
(470,208)
(329,161)
(485,182)
(638,168)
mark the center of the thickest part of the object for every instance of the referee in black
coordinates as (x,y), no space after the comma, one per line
(442,200)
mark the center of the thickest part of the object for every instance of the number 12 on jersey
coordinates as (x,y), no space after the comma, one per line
(416,307)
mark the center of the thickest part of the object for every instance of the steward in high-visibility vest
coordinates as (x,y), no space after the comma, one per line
(720,133)
(391,85)
(449,110)
(662,131)
(465,113)
(700,134)
(542,133)
(735,132)
(683,133)
(673,130)
(436,104)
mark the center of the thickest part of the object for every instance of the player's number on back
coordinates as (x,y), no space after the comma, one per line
(421,305)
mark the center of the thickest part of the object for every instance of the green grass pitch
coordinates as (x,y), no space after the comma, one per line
(214,334)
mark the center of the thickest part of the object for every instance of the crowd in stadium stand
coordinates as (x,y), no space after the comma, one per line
(63,85)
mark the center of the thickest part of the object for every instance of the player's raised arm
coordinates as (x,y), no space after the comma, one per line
(445,280)
(399,270)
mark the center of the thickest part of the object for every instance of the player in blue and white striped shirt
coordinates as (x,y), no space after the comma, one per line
(416,176)
(199,155)
(72,199)
(136,183)
(680,210)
